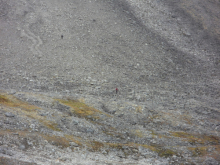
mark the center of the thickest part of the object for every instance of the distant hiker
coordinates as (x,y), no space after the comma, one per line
(116,90)
(61,36)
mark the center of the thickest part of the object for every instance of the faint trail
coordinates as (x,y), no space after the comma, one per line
(25,32)
(36,41)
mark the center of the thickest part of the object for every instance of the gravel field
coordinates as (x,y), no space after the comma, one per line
(61,61)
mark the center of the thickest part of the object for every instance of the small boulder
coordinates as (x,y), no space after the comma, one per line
(73,144)
(21,147)
(8,114)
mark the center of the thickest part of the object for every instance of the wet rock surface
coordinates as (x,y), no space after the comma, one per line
(60,65)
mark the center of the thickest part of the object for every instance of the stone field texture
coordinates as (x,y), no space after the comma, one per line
(60,65)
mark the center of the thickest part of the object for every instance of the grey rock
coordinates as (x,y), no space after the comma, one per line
(6,151)
(10,153)
(217,128)
(43,114)
(86,130)
(107,110)
(75,122)
(9,122)
(121,115)
(73,144)
(2,150)
(133,123)
(121,155)
(135,157)
(21,147)
(8,114)
(61,107)
(210,161)
(186,33)
(89,130)
(12,92)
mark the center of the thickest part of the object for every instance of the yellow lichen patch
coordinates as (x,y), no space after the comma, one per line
(49,124)
(57,141)
(197,138)
(152,148)
(181,134)
(165,152)
(186,118)
(162,152)
(188,137)
(155,135)
(211,139)
(96,146)
(138,109)
(74,139)
(82,100)
(3,99)
(115,145)
(81,109)
(11,101)
(138,133)
(23,108)
(111,131)
(42,119)
(198,151)
(204,151)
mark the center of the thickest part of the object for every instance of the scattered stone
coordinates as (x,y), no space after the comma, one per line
(217,128)
(112,112)
(12,92)
(73,144)
(133,123)
(210,161)
(43,114)
(6,151)
(121,115)
(9,114)
(75,122)
(135,157)
(21,147)
(89,130)
(121,154)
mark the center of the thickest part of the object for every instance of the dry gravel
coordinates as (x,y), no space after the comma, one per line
(163,56)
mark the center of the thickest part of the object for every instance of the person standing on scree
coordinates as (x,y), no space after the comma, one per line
(116,90)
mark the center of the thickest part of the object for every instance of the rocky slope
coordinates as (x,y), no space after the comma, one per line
(60,63)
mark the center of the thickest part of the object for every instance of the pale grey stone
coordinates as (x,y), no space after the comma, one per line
(8,114)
